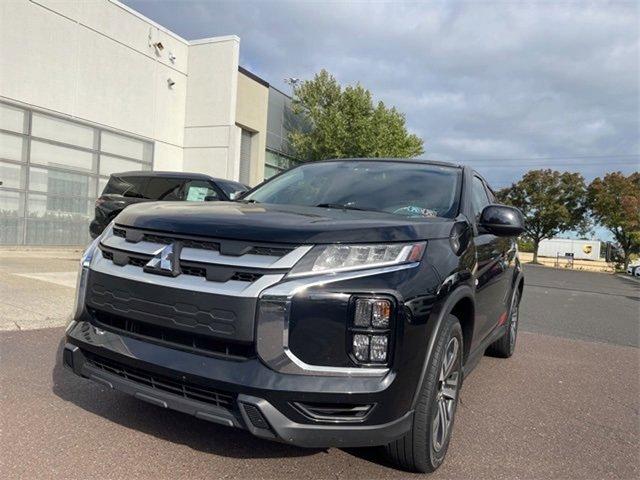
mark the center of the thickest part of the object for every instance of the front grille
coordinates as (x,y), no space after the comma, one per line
(246,276)
(195,271)
(171,337)
(138,262)
(187,268)
(270,251)
(177,387)
(135,236)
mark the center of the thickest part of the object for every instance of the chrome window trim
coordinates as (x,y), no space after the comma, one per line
(272,342)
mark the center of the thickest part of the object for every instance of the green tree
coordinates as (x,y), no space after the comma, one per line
(614,202)
(551,202)
(345,123)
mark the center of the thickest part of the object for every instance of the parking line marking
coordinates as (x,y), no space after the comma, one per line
(64,279)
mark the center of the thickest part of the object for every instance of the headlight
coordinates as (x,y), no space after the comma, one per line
(338,258)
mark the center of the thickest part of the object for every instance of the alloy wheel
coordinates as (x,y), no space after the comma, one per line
(513,322)
(446,395)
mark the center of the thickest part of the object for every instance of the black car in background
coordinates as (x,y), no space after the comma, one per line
(127,188)
(340,303)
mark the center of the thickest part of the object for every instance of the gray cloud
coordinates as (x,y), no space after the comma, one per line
(477,80)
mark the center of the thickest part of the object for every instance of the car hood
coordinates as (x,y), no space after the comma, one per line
(261,222)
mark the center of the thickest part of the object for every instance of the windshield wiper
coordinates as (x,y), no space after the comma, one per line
(343,207)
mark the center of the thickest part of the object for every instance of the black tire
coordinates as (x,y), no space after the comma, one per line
(419,450)
(506,344)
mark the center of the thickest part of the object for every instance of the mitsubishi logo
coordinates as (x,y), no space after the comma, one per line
(166,261)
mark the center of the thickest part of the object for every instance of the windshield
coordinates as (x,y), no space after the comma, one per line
(408,189)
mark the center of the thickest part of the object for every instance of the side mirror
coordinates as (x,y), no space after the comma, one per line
(502,220)
(211,198)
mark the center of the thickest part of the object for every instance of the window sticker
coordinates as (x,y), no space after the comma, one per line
(197,194)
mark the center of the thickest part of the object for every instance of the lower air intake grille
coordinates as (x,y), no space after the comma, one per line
(180,388)
(255,416)
(172,338)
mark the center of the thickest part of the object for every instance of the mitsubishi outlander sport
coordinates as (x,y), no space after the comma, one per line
(341,303)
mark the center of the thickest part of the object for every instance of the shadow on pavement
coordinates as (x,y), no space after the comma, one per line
(168,425)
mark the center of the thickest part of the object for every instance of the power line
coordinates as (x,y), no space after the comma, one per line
(567,157)
(517,165)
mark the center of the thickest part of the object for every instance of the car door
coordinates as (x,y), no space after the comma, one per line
(491,266)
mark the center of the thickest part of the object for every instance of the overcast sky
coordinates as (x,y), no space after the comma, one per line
(498,85)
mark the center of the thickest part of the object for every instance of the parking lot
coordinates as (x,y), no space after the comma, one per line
(565,406)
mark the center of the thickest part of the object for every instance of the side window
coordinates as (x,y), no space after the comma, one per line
(479,198)
(167,189)
(132,187)
(199,190)
(492,197)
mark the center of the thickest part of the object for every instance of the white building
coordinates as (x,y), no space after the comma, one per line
(88,88)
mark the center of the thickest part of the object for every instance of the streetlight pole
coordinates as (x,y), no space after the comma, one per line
(292,82)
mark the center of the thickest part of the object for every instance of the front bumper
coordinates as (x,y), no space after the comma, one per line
(263,400)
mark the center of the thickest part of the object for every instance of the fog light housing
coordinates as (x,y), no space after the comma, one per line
(379,347)
(361,347)
(372,312)
(370,330)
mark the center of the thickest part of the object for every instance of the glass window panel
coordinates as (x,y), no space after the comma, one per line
(131,186)
(62,131)
(102,182)
(56,220)
(199,191)
(58,231)
(39,205)
(167,189)
(11,175)
(109,165)
(270,171)
(12,147)
(13,118)
(125,146)
(276,160)
(57,156)
(479,198)
(11,217)
(61,183)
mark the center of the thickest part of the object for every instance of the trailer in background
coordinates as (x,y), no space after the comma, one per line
(569,248)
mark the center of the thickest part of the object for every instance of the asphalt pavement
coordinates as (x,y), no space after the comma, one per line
(565,405)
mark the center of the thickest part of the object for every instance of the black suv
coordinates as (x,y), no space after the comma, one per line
(127,188)
(340,303)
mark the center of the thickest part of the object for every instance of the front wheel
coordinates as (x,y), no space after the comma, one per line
(424,447)
(506,344)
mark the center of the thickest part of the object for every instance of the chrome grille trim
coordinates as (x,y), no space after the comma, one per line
(211,256)
(272,331)
(187,282)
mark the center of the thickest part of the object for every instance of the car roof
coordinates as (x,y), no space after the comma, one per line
(164,174)
(399,160)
